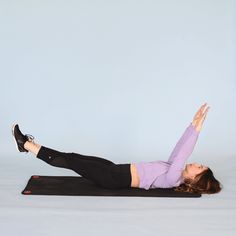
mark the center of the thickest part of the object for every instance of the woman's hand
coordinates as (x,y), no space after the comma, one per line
(200,117)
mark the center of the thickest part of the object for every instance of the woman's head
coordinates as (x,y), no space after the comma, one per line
(192,170)
(199,179)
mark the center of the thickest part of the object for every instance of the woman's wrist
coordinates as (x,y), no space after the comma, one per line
(196,126)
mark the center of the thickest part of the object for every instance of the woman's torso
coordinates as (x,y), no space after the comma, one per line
(134,176)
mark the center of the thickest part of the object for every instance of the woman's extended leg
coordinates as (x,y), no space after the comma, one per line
(99,170)
(60,160)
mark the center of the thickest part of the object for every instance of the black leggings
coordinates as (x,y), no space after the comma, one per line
(102,172)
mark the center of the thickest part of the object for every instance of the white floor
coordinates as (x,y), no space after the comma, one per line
(69,215)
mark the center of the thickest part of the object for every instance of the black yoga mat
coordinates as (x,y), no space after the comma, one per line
(79,186)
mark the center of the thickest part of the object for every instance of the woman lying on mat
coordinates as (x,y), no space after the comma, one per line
(195,178)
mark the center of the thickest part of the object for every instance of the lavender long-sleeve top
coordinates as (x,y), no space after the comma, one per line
(161,174)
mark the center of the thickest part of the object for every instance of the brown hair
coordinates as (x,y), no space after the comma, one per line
(204,182)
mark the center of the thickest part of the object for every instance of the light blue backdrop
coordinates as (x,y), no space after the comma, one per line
(118,79)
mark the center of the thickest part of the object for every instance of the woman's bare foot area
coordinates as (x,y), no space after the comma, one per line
(32,147)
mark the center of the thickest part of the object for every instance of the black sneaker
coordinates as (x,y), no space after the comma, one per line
(20,138)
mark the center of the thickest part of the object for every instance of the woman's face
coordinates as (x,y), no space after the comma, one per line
(194,169)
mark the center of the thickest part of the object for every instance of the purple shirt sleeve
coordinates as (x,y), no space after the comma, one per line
(180,143)
(180,154)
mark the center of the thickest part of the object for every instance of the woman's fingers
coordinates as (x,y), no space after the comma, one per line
(200,115)
(205,108)
(202,119)
(199,112)
(205,113)
(199,123)
(202,108)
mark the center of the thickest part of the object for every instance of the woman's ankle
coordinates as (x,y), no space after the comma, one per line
(32,147)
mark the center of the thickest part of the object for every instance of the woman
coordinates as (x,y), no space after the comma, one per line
(147,175)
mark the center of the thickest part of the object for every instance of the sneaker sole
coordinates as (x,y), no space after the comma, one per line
(13,128)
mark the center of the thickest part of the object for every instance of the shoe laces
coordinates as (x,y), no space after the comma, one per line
(29,137)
